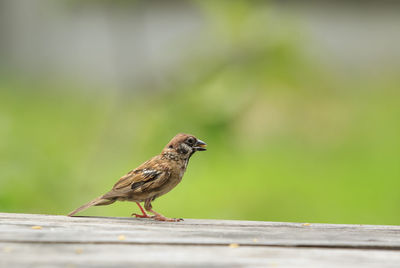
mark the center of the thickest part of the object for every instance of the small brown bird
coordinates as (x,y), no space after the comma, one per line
(153,178)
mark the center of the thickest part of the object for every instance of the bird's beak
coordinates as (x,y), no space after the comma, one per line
(200,145)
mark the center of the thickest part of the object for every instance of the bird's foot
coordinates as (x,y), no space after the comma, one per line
(141,216)
(163,218)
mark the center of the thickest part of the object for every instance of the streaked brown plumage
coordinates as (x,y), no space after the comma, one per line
(153,178)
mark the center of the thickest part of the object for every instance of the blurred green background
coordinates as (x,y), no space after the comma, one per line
(299,104)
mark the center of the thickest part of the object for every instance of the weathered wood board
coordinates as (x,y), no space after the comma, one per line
(62,241)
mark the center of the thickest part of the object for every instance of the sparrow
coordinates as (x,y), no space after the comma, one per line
(153,178)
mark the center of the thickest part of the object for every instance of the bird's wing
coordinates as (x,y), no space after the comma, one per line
(150,175)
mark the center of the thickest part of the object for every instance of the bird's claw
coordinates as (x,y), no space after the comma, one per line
(157,217)
(162,218)
(141,216)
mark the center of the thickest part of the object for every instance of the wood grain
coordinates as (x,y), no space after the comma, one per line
(99,242)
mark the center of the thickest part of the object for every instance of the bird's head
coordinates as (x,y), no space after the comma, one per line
(185,145)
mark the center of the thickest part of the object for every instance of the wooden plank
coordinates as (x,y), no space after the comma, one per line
(127,255)
(60,241)
(62,229)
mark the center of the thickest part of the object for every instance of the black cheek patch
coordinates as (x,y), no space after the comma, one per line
(182,151)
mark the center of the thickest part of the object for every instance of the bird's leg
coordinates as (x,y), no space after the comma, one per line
(157,216)
(144,214)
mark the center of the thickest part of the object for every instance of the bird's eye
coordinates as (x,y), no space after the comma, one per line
(190,141)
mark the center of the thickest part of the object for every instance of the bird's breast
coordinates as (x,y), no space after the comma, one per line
(175,178)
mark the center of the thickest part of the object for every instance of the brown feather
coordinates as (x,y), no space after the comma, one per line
(99,201)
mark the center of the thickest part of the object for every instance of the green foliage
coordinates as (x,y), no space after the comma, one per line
(288,140)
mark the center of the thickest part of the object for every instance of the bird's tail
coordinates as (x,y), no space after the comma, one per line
(99,201)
